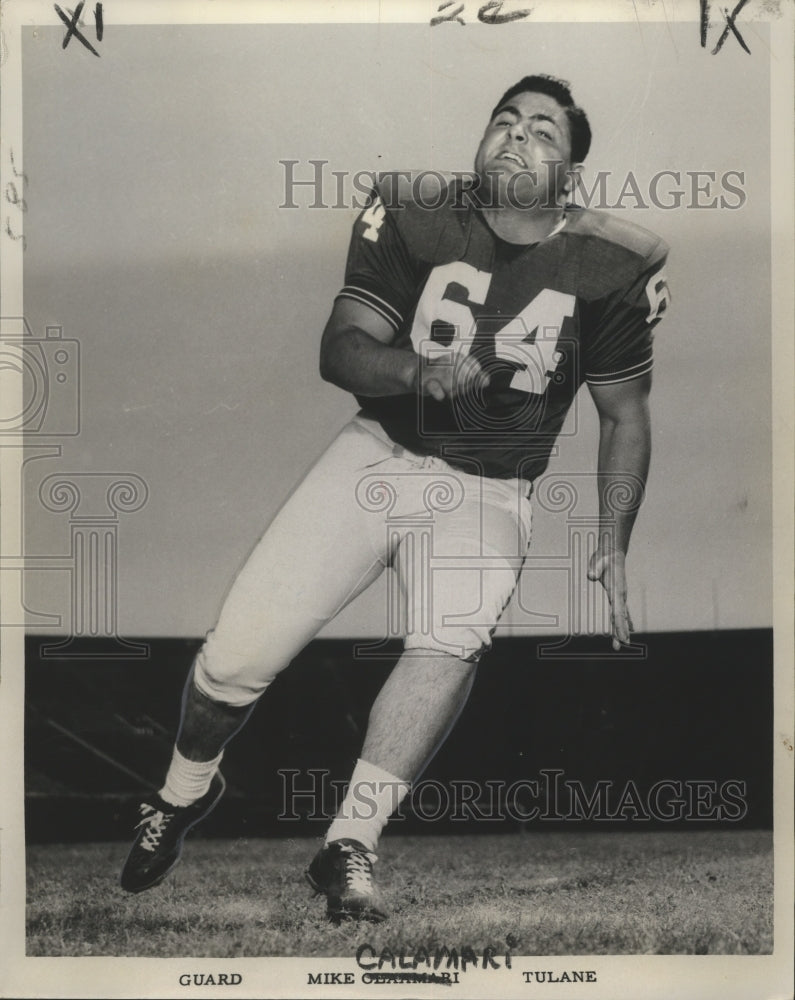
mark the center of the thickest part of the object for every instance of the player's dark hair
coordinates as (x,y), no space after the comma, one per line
(559,90)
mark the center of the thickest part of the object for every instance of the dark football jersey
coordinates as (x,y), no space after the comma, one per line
(541,319)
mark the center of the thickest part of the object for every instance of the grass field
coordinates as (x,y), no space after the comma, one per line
(549,893)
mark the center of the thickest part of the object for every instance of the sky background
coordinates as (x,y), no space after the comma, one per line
(155,239)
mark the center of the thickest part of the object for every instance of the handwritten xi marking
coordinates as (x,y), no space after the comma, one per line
(72,23)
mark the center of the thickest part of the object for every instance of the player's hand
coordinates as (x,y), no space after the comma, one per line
(607,567)
(442,378)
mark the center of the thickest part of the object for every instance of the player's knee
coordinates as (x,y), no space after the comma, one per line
(229,677)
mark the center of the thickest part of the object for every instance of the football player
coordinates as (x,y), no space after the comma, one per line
(467,323)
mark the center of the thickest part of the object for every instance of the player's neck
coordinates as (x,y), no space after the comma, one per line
(523,226)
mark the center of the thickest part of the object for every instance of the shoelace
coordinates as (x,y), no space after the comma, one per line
(359,871)
(155,823)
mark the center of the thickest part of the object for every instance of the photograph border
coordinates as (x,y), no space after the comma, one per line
(617,976)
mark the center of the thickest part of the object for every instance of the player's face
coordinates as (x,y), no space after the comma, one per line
(526,150)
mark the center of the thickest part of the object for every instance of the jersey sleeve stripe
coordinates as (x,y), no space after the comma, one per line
(609,378)
(390,314)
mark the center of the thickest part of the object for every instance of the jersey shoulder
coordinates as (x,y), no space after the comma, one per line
(613,252)
(620,233)
(429,210)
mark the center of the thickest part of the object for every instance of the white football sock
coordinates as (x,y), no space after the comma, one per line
(187,780)
(372,796)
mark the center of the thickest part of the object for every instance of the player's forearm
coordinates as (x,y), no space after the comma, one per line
(357,362)
(624,454)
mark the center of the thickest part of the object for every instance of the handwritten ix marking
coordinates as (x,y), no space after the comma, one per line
(72,25)
(489,13)
(730,26)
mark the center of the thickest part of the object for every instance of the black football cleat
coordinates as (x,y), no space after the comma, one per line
(161,830)
(343,872)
